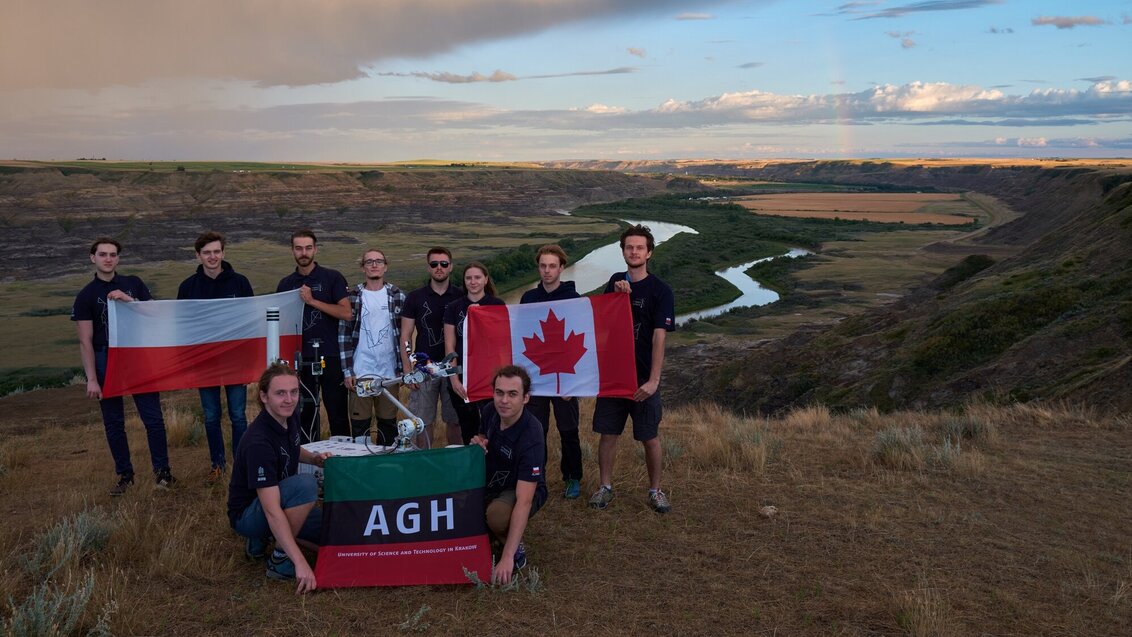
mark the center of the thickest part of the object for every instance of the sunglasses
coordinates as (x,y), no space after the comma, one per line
(439,264)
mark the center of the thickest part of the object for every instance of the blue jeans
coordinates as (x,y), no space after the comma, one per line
(114,421)
(237,408)
(294,491)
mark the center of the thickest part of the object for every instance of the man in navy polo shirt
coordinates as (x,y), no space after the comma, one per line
(516,486)
(551,259)
(324,292)
(90,315)
(215,279)
(423,314)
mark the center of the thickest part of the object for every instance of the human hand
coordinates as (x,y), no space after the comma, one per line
(646,390)
(93,389)
(305,294)
(503,570)
(481,440)
(304,577)
(622,286)
(348,381)
(118,295)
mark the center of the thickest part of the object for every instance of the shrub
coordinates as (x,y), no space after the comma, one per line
(899,448)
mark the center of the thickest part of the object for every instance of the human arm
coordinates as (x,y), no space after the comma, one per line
(651,385)
(284,535)
(86,353)
(317,459)
(450,348)
(347,341)
(408,325)
(524,499)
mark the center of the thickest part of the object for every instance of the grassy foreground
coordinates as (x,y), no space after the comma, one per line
(993,520)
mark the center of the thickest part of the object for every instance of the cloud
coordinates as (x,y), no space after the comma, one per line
(695,16)
(907,43)
(751,65)
(501,76)
(1099,78)
(1067,22)
(641,53)
(996,30)
(926,6)
(83,44)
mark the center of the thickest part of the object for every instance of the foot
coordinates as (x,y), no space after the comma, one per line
(164,479)
(125,481)
(520,556)
(602,497)
(573,490)
(659,501)
(216,475)
(280,568)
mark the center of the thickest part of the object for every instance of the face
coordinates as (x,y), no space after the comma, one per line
(549,269)
(373,264)
(442,269)
(636,251)
(303,249)
(282,397)
(105,258)
(509,397)
(211,255)
(474,280)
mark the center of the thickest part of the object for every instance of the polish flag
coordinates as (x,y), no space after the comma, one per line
(576,347)
(166,345)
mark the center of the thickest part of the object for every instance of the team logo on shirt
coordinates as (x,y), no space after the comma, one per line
(506,451)
(536,471)
(498,479)
(259,476)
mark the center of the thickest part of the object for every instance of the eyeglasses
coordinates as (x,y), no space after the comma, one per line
(439,264)
(369,262)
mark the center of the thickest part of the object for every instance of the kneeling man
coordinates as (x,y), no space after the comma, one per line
(516,488)
(267,497)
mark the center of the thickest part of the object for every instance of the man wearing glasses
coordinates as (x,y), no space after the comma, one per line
(368,343)
(424,314)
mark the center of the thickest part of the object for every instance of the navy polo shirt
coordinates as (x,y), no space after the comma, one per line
(266,456)
(513,454)
(90,303)
(328,286)
(653,307)
(457,310)
(426,308)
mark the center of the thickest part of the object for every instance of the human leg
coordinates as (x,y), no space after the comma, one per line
(237,396)
(149,409)
(310,397)
(566,416)
(210,405)
(539,407)
(361,411)
(114,423)
(646,428)
(386,417)
(334,397)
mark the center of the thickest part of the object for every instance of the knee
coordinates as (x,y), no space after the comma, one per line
(498,518)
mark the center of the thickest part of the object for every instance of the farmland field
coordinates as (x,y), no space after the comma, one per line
(941,208)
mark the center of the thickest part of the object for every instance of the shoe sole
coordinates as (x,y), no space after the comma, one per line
(600,506)
(281,577)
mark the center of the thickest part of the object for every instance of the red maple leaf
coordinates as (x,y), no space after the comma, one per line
(558,353)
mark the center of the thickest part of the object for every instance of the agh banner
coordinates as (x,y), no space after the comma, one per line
(404,518)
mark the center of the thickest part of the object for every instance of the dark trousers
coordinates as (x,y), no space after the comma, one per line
(566,419)
(467,413)
(114,421)
(333,395)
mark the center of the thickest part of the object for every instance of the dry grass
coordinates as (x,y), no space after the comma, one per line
(1024,531)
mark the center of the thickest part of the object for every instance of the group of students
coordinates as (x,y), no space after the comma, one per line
(370,330)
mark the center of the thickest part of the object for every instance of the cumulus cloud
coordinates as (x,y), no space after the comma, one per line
(637,52)
(1067,22)
(83,44)
(926,6)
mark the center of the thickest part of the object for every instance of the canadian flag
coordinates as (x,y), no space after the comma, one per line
(166,345)
(576,347)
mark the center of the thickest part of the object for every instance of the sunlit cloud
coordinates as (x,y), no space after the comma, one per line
(501,76)
(1067,22)
(641,53)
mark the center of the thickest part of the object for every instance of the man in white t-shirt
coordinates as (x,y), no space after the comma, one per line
(367,344)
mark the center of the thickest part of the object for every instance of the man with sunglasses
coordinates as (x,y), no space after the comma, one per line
(368,344)
(423,315)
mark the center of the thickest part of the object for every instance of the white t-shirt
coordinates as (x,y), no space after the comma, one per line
(376,350)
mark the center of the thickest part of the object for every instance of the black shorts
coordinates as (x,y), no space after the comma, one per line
(610,415)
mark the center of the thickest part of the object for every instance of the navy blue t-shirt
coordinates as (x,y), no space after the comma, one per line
(653,308)
(426,308)
(328,286)
(538,294)
(457,310)
(266,456)
(90,303)
(513,454)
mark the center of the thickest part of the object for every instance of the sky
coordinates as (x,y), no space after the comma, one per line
(521,80)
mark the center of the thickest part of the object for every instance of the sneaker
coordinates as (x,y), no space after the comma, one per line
(573,490)
(281,568)
(520,556)
(602,497)
(255,548)
(659,502)
(216,475)
(123,483)
(164,478)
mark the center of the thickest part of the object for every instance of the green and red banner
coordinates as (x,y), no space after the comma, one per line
(404,518)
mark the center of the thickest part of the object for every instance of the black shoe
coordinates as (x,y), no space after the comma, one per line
(164,478)
(123,483)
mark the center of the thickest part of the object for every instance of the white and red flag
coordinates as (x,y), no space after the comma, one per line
(166,345)
(576,347)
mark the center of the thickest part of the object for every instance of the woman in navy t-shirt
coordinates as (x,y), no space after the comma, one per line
(480,291)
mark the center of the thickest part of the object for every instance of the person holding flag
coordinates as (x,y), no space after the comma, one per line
(215,279)
(516,487)
(551,260)
(90,315)
(654,315)
(479,291)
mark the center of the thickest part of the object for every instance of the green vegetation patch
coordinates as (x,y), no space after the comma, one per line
(26,378)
